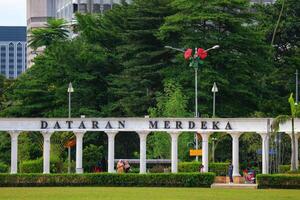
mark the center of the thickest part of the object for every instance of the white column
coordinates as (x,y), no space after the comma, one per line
(111,150)
(235,153)
(297,150)
(205,138)
(265,152)
(143,143)
(46,152)
(174,152)
(79,143)
(14,151)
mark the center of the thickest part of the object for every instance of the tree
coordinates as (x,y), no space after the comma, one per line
(284,34)
(42,90)
(141,56)
(281,119)
(241,59)
(171,103)
(55,30)
(92,154)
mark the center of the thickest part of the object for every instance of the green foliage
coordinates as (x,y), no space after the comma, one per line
(220,169)
(42,90)
(36,166)
(142,57)
(171,103)
(104,179)
(284,168)
(3,167)
(54,31)
(283,181)
(92,154)
(241,56)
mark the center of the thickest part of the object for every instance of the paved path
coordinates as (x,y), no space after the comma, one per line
(234,186)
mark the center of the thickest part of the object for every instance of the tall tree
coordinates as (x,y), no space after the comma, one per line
(238,66)
(142,57)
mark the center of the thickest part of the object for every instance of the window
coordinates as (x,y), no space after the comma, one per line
(96,8)
(75,7)
(82,8)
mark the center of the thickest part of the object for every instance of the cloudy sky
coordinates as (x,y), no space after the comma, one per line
(12,12)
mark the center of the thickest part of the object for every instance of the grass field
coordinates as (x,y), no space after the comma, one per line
(115,193)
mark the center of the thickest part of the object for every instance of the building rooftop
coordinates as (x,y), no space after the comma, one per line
(13,33)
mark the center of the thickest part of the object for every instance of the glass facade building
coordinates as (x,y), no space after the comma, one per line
(13,49)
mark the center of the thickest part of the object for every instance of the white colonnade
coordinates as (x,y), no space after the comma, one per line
(143,126)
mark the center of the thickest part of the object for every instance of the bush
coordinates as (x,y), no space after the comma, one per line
(284,168)
(3,167)
(159,169)
(36,166)
(106,179)
(92,154)
(220,169)
(285,181)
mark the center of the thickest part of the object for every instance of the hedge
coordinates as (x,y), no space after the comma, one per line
(284,168)
(106,179)
(285,181)
(220,169)
(3,167)
(36,166)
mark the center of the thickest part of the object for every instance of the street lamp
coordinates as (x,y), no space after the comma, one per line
(296,103)
(214,90)
(195,61)
(70,90)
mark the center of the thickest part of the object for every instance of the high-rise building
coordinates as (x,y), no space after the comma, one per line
(12,51)
(39,11)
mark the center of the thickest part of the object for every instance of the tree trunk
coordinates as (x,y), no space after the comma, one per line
(293,159)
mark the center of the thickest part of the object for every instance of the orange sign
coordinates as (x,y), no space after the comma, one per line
(195,152)
(70,143)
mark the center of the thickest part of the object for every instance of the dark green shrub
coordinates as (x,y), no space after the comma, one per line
(284,168)
(36,166)
(106,179)
(3,168)
(220,169)
(92,154)
(286,181)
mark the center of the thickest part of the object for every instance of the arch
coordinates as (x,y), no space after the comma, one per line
(128,141)
(95,150)
(251,155)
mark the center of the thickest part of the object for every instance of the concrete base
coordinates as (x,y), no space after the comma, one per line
(79,170)
(234,186)
(225,179)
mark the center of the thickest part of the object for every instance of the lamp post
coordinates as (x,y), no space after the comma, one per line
(195,61)
(70,90)
(214,90)
(297,82)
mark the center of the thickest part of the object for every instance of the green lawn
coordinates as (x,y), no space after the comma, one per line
(115,193)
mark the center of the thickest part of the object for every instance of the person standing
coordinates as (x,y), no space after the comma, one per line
(127,166)
(230,172)
(120,167)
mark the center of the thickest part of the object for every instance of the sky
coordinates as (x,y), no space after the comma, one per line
(12,12)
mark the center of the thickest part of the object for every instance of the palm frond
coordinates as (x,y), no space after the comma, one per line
(281,119)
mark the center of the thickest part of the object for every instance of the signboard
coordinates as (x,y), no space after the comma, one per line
(195,152)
